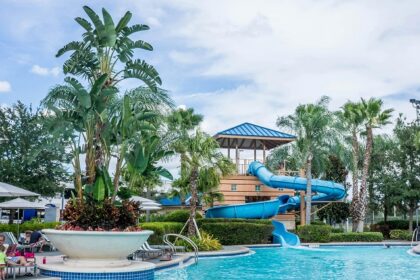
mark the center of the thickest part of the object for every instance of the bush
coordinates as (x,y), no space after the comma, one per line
(400,234)
(160,229)
(357,237)
(314,233)
(385,228)
(180,216)
(337,230)
(236,233)
(206,243)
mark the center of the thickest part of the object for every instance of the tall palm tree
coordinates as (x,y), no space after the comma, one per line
(352,117)
(201,155)
(313,124)
(373,117)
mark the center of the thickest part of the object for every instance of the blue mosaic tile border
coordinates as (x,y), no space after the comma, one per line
(135,275)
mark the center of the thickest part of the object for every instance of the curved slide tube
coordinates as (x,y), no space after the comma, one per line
(326,191)
(282,236)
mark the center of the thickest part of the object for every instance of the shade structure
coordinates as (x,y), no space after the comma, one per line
(7,190)
(20,203)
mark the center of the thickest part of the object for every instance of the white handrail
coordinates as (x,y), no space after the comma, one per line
(173,248)
(414,236)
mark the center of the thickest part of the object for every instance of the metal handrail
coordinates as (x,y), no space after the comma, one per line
(414,236)
(173,248)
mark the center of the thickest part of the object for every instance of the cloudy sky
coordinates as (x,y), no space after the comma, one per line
(234,61)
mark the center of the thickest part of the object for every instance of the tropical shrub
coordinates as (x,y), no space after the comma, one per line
(206,243)
(400,234)
(314,233)
(357,237)
(180,216)
(160,229)
(235,233)
(86,215)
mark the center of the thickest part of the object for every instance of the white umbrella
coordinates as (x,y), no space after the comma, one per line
(7,190)
(20,203)
(142,200)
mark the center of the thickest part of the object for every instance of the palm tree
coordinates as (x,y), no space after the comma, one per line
(105,55)
(373,117)
(202,156)
(313,126)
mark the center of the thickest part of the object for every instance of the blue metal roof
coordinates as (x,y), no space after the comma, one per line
(253,130)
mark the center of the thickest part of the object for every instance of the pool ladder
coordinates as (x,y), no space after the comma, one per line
(414,237)
(173,247)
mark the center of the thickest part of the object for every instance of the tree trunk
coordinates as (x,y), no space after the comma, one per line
(363,199)
(308,189)
(117,177)
(77,174)
(90,156)
(355,157)
(355,180)
(411,219)
(193,202)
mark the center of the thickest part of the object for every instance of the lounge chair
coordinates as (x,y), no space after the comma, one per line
(147,252)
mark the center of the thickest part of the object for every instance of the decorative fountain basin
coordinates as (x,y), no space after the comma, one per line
(97,255)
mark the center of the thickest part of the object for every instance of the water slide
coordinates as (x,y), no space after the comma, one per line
(325,191)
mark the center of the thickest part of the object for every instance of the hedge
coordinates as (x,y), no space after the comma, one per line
(160,229)
(180,216)
(27,226)
(337,230)
(400,234)
(357,237)
(386,227)
(236,233)
(314,233)
(224,220)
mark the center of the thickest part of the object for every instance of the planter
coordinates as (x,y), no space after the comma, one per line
(97,248)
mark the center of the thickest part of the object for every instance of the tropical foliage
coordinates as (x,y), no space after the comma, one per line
(102,124)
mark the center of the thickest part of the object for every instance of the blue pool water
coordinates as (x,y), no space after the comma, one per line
(367,263)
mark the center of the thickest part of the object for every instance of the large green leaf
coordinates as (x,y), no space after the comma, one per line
(141,45)
(84,23)
(72,46)
(99,26)
(83,96)
(123,22)
(98,85)
(127,31)
(98,192)
(109,37)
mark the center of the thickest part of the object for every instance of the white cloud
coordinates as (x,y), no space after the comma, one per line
(43,71)
(292,52)
(5,86)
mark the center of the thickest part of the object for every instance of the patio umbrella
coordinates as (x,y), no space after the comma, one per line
(7,190)
(20,203)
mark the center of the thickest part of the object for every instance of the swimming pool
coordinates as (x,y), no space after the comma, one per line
(350,262)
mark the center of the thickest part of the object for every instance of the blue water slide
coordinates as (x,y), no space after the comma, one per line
(326,191)
(282,236)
